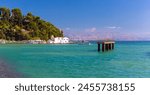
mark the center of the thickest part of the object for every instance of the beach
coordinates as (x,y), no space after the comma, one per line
(6,71)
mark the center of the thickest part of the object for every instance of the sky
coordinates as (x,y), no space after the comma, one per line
(92,19)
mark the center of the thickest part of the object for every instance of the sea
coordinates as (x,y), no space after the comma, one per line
(129,59)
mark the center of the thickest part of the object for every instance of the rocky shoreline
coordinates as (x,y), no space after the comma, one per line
(6,71)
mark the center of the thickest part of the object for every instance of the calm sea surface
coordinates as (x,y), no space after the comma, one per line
(129,59)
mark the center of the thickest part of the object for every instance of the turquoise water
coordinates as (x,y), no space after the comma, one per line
(129,59)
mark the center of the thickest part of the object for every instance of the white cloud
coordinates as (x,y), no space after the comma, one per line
(93,29)
(113,27)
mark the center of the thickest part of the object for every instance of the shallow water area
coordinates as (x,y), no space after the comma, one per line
(127,60)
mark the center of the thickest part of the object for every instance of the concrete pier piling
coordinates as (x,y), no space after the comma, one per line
(106,45)
(99,47)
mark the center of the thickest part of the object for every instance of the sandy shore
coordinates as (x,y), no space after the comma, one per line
(7,72)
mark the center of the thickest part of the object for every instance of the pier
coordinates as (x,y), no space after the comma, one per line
(105,45)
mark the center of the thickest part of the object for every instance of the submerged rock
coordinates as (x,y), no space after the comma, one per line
(7,72)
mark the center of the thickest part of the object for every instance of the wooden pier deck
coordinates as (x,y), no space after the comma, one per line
(106,45)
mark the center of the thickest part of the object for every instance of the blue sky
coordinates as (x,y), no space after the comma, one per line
(92,19)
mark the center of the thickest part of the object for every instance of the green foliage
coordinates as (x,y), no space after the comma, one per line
(5,14)
(15,26)
(16,17)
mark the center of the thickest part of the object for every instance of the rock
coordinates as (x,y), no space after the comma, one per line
(7,72)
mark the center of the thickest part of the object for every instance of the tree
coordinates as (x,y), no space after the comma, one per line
(18,27)
(2,35)
(16,17)
(5,14)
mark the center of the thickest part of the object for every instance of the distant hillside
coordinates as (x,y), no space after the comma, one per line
(16,26)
